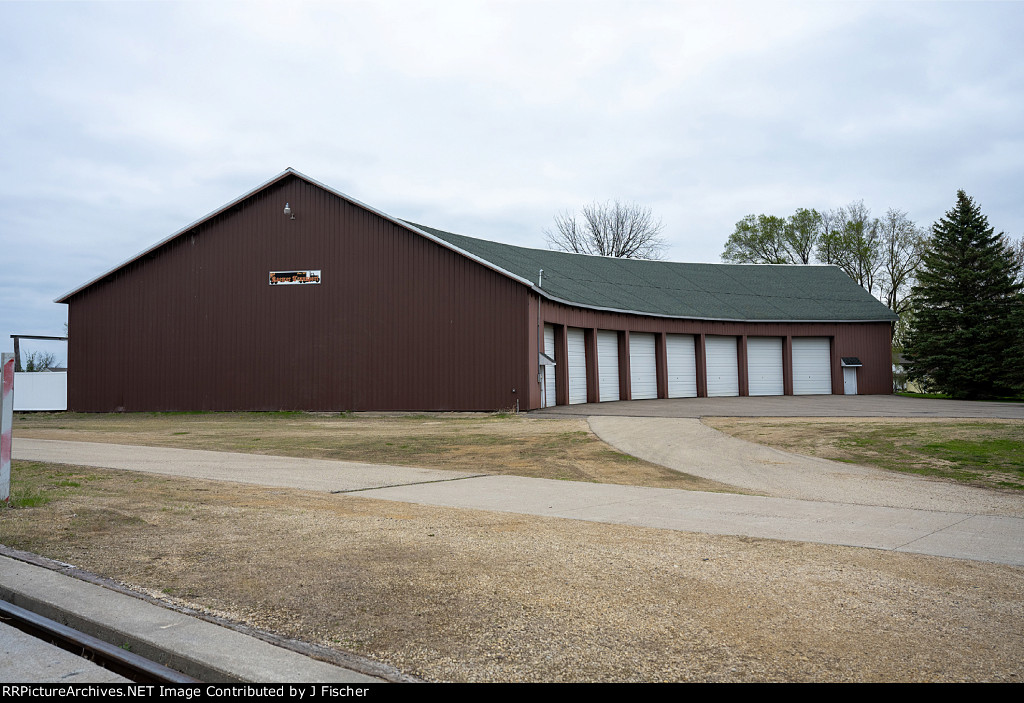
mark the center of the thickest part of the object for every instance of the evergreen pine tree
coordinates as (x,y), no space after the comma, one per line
(967,338)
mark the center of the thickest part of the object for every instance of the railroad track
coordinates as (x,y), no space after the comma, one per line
(128,664)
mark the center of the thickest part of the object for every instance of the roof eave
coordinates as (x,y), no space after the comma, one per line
(563,301)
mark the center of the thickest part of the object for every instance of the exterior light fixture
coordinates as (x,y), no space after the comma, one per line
(288,210)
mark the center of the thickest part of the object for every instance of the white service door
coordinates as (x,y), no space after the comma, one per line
(850,380)
(764,366)
(643,366)
(812,366)
(608,365)
(723,366)
(549,371)
(577,366)
(681,360)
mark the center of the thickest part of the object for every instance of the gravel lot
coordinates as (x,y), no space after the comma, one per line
(461,595)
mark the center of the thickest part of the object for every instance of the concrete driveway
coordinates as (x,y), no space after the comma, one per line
(793,406)
(989,537)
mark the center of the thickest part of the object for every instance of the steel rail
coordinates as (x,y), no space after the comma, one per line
(128,664)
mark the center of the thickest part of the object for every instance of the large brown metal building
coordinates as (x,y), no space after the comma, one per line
(296,296)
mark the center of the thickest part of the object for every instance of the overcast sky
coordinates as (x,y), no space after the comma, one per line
(123,122)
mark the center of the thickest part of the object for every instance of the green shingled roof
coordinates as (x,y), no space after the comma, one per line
(746,292)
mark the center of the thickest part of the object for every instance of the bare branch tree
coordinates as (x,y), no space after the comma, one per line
(828,241)
(851,242)
(902,246)
(623,230)
(1018,255)
(40,361)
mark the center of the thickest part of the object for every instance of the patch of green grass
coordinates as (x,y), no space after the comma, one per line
(34,484)
(942,396)
(993,453)
(30,499)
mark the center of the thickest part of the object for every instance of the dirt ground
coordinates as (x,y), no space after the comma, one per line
(460,595)
(553,448)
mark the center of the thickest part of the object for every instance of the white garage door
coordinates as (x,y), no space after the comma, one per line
(577,366)
(764,365)
(549,371)
(723,369)
(643,367)
(682,366)
(812,366)
(608,364)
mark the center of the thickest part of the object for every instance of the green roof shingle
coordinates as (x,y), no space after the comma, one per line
(748,292)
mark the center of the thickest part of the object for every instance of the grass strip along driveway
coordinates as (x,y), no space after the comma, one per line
(986,453)
(563,449)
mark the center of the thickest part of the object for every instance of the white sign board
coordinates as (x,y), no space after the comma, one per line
(42,390)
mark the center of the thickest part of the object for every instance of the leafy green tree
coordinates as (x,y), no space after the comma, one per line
(767,239)
(967,334)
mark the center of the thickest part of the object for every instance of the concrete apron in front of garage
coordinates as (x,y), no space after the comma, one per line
(994,538)
(793,406)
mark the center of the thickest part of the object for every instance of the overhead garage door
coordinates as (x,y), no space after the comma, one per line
(764,365)
(549,371)
(608,365)
(722,366)
(643,367)
(682,366)
(577,366)
(812,366)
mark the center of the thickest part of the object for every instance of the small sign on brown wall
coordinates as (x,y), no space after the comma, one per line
(293,278)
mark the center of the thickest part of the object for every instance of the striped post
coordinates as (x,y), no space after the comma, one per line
(6,421)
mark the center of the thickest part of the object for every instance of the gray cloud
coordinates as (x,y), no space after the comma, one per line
(125,122)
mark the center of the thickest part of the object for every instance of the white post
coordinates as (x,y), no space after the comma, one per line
(6,422)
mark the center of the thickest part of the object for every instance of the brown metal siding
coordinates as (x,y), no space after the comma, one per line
(397,323)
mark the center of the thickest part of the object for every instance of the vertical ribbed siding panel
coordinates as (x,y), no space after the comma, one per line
(397,323)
